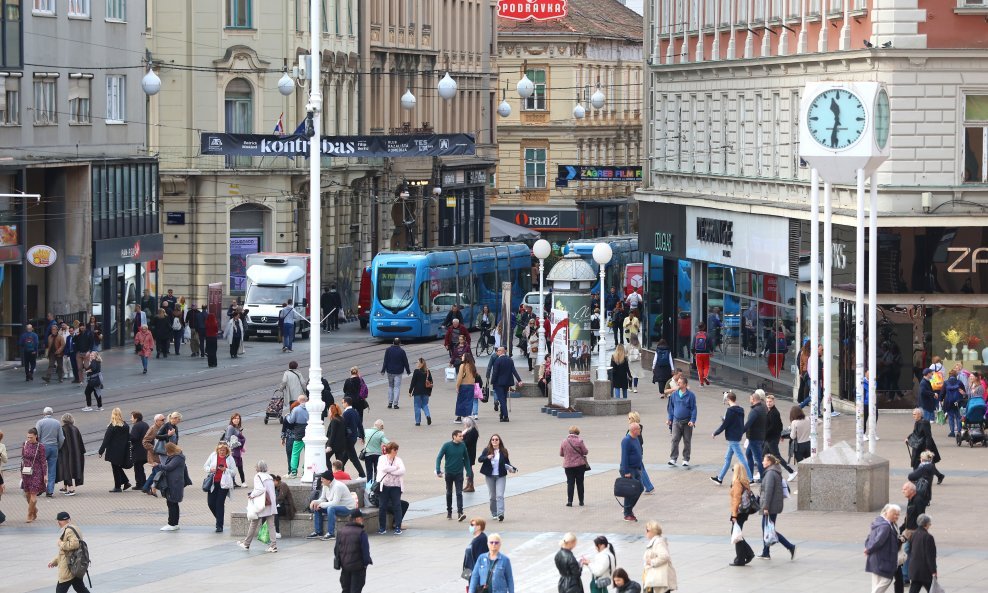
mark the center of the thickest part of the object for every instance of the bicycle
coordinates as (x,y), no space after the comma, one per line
(485,344)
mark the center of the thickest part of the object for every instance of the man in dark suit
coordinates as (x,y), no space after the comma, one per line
(503,376)
(354,431)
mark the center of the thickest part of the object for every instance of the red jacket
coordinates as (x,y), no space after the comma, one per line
(450,340)
(212,327)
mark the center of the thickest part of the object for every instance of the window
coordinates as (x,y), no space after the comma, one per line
(10,101)
(239,115)
(759,135)
(11,29)
(44,7)
(116,10)
(79,105)
(79,8)
(116,99)
(535,167)
(45,105)
(325,17)
(976,139)
(537,101)
(238,14)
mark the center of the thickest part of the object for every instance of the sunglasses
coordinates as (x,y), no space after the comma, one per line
(494,543)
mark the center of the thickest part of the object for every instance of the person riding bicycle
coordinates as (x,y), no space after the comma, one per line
(485,321)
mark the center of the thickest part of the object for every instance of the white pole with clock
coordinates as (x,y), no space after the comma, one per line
(844,131)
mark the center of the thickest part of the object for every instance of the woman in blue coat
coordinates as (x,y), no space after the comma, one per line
(174,479)
(492,570)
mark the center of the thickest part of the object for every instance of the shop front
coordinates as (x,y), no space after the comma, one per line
(462,206)
(932,301)
(604,218)
(556,225)
(662,241)
(122,269)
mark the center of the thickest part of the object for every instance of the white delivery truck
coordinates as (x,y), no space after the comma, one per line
(272,279)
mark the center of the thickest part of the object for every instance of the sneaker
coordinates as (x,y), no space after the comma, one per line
(243,545)
(277,535)
(381,531)
(763,557)
(314,535)
(672,462)
(397,531)
(390,405)
(70,493)
(417,424)
(686,463)
(631,518)
(449,515)
(272,550)
(834,414)
(87,409)
(500,518)
(792,476)
(169,528)
(328,537)
(717,480)
(428,420)
(634,391)
(792,553)
(461,517)
(756,481)
(396,406)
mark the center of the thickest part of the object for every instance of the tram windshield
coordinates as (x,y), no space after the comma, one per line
(395,288)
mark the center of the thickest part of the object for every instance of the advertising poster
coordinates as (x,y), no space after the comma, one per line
(505,315)
(240,248)
(558,339)
(8,235)
(577,308)
(214,300)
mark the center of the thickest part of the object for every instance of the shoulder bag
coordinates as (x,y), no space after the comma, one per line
(915,441)
(28,470)
(586,468)
(486,588)
(428,380)
(605,581)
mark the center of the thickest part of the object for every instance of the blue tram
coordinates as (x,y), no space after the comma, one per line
(414,290)
(624,250)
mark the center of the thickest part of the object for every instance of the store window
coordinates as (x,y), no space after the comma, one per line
(247,224)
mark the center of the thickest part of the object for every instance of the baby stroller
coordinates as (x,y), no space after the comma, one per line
(973,423)
(275,406)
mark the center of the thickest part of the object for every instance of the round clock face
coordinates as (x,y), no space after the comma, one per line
(836,119)
(882,119)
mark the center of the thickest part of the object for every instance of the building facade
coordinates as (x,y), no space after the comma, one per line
(409,47)
(596,46)
(219,64)
(727,195)
(76,178)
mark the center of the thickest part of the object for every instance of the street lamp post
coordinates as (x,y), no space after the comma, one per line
(541,249)
(602,255)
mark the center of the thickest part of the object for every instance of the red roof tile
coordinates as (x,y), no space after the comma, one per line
(596,18)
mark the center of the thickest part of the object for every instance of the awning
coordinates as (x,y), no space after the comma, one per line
(507,231)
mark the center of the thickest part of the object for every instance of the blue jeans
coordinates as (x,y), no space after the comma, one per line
(329,514)
(51,454)
(756,459)
(177,335)
(501,392)
(421,403)
(929,416)
(631,501)
(646,482)
(394,388)
(954,420)
(782,540)
(288,335)
(620,392)
(144,362)
(733,450)
(476,407)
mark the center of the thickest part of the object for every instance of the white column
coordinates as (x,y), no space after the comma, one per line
(684,55)
(715,46)
(873,315)
(749,39)
(828,317)
(823,43)
(766,34)
(602,332)
(699,33)
(315,434)
(670,49)
(845,39)
(859,318)
(783,32)
(732,40)
(813,364)
(802,43)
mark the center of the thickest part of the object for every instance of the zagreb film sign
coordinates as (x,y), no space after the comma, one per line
(567,173)
(539,10)
(297,145)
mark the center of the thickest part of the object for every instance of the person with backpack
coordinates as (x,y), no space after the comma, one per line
(662,366)
(72,560)
(777,349)
(701,353)
(928,395)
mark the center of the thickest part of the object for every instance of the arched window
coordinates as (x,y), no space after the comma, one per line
(239,115)
(247,235)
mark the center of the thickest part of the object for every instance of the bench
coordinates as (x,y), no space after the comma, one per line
(301,525)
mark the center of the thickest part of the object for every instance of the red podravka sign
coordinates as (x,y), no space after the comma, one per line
(523,10)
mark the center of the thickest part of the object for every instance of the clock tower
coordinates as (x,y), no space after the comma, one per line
(844,126)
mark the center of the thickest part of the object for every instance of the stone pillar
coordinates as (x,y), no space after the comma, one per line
(835,480)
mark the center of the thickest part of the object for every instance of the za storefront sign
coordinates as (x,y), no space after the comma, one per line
(523,10)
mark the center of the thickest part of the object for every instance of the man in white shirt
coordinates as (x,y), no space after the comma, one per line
(334,501)
(633,300)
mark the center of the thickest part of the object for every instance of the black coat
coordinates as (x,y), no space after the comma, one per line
(922,428)
(470,440)
(620,374)
(417,386)
(161,328)
(569,572)
(116,444)
(773,425)
(71,456)
(336,436)
(922,556)
(486,467)
(137,432)
(757,422)
(176,477)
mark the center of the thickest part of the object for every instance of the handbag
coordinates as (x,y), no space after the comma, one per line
(234,442)
(128,461)
(605,581)
(428,380)
(915,441)
(625,487)
(159,446)
(450,374)
(28,470)
(478,392)
(486,587)
(207,482)
(941,416)
(901,557)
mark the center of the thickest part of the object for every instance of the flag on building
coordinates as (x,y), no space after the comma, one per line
(279,128)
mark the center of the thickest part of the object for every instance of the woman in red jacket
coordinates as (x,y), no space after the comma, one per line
(212,331)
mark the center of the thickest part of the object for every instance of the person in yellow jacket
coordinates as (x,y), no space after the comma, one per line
(68,541)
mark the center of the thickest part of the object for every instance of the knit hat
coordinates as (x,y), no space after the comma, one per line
(327,475)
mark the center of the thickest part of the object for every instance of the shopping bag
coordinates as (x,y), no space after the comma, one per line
(935,587)
(736,535)
(768,534)
(262,534)
(450,373)
(941,416)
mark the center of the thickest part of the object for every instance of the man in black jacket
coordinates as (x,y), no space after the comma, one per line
(334,304)
(755,430)
(733,429)
(923,556)
(915,507)
(351,555)
(773,434)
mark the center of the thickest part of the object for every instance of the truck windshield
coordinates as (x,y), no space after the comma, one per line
(268,295)
(395,288)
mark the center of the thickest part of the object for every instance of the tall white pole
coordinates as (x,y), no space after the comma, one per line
(828,316)
(601,366)
(873,315)
(542,312)
(859,319)
(315,435)
(813,364)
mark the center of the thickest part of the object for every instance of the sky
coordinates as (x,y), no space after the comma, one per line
(636,5)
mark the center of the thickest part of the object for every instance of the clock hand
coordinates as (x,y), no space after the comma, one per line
(835,109)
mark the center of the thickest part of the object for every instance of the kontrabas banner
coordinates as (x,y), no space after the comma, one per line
(223,144)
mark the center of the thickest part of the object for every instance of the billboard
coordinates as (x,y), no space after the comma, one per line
(577,309)
(558,324)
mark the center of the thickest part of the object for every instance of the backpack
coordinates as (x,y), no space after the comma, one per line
(936,381)
(700,343)
(750,503)
(781,344)
(79,558)
(923,490)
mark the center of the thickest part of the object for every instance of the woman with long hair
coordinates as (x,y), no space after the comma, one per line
(466,379)
(336,441)
(420,389)
(620,373)
(34,472)
(602,564)
(221,466)
(94,381)
(116,447)
(739,485)
(495,465)
(234,437)
(236,334)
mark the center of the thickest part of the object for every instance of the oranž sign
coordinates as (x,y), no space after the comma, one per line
(567,173)
(223,144)
(523,10)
